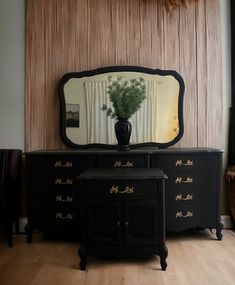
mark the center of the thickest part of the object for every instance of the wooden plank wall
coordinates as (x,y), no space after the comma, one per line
(76,35)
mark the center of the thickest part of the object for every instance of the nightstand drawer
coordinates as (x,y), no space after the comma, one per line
(117,189)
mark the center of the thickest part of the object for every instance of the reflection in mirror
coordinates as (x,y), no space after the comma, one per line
(159,121)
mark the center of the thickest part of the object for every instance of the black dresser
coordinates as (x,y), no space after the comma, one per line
(122,213)
(192,187)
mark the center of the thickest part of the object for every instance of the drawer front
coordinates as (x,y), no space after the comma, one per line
(65,198)
(59,163)
(116,189)
(182,179)
(185,162)
(55,180)
(122,161)
(191,204)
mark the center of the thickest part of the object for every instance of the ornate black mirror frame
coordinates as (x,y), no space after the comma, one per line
(124,69)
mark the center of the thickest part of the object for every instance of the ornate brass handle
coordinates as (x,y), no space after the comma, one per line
(181,180)
(67,181)
(127,190)
(120,164)
(179,197)
(179,214)
(68,216)
(68,199)
(180,162)
(59,163)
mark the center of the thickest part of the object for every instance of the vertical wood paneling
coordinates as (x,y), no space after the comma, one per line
(188,68)
(201,55)
(75,35)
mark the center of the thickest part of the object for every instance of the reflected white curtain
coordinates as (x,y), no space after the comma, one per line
(144,121)
(100,128)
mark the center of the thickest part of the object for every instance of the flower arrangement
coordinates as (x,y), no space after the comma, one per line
(126,96)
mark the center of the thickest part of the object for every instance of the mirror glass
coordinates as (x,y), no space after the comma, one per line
(159,121)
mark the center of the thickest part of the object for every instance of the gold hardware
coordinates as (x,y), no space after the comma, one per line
(68,216)
(179,197)
(180,180)
(179,214)
(68,199)
(180,162)
(115,190)
(127,164)
(59,163)
(68,181)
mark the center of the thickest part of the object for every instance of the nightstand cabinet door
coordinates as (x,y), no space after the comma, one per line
(104,224)
(141,222)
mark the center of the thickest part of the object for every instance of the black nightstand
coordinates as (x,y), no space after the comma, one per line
(122,213)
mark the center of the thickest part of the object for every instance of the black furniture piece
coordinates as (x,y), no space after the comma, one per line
(192,187)
(122,213)
(10,164)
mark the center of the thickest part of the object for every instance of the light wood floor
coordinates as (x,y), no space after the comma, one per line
(194,259)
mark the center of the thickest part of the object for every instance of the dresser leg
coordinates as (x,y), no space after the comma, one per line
(83,258)
(29,233)
(163,255)
(219,230)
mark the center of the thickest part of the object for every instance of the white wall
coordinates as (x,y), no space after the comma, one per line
(12,30)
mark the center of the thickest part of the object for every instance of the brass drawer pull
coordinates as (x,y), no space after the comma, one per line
(68,216)
(67,181)
(59,164)
(68,199)
(115,190)
(179,197)
(120,164)
(180,162)
(179,214)
(181,180)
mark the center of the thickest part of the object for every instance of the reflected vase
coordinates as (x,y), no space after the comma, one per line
(123,133)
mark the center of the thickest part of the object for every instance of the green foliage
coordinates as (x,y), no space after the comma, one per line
(126,97)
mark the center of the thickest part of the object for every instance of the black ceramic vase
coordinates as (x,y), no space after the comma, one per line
(123,132)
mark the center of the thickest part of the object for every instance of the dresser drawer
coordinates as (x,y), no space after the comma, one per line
(182,179)
(59,163)
(116,189)
(190,204)
(58,180)
(65,198)
(189,214)
(122,161)
(185,162)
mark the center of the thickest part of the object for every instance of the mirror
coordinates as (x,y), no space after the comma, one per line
(159,121)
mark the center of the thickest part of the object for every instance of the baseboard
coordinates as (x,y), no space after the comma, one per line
(227,222)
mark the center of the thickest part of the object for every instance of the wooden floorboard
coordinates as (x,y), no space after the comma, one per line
(195,258)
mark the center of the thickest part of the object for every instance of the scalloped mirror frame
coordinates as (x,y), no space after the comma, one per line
(113,69)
